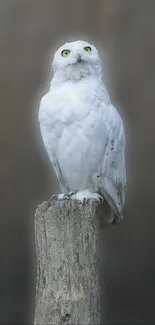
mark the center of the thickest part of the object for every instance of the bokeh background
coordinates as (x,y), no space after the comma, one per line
(30,31)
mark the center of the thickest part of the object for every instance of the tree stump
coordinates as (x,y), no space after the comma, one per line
(68,290)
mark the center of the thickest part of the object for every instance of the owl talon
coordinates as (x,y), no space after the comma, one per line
(66,197)
(60,197)
(71,193)
(85,200)
(54,197)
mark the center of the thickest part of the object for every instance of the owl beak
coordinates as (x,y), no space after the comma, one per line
(79,58)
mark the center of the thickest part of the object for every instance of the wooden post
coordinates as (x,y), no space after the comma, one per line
(68,290)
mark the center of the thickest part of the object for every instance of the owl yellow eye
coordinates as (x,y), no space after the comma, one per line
(87,48)
(65,52)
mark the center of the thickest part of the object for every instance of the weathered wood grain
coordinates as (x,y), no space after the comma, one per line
(68,290)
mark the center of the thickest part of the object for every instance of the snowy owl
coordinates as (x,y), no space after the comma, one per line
(82,131)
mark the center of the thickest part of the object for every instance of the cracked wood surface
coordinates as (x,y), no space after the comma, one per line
(68,290)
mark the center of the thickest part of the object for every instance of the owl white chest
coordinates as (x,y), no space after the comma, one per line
(70,121)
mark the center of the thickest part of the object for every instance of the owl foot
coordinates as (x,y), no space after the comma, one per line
(62,196)
(85,196)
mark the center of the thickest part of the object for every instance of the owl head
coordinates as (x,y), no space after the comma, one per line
(77,60)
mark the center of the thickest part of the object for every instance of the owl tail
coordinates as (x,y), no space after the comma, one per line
(113,212)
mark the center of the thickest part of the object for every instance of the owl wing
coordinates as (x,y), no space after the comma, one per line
(112,175)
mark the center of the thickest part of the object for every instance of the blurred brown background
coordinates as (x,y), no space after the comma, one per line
(29,30)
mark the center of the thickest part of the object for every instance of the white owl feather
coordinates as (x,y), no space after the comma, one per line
(82,131)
